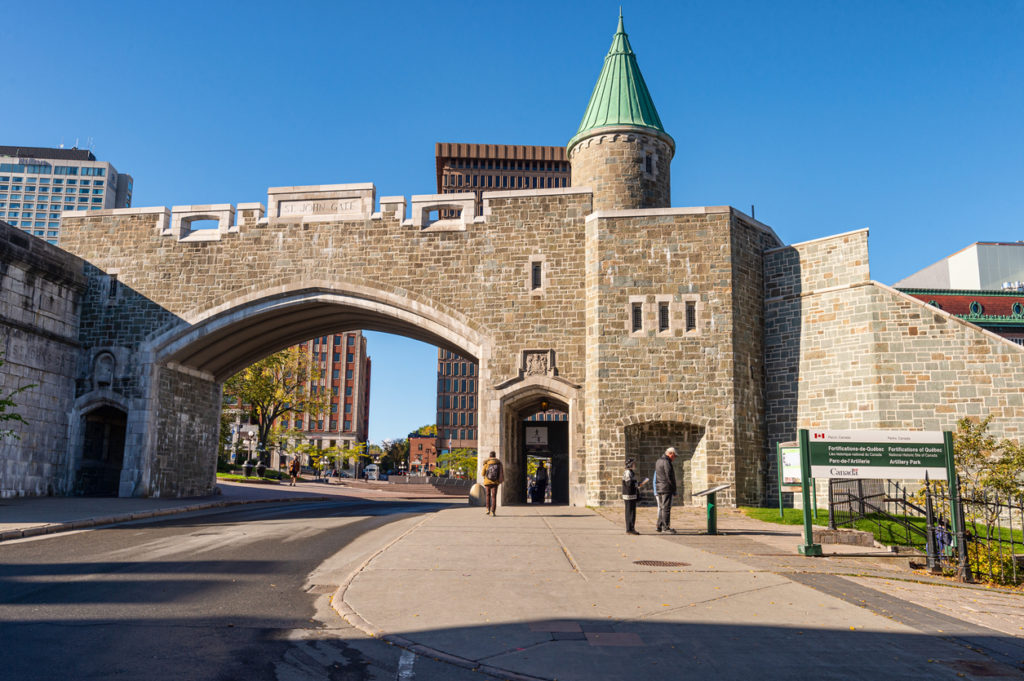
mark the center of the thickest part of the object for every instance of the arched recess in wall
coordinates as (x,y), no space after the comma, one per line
(229,337)
(519,399)
(97,443)
(646,437)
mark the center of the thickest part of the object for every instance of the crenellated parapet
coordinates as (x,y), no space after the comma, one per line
(333,203)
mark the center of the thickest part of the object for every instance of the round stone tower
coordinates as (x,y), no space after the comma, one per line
(621,150)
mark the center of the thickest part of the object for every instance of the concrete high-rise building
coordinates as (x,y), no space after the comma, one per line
(345,378)
(37,184)
(492,167)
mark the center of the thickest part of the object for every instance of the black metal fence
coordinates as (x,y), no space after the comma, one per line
(992,526)
(989,526)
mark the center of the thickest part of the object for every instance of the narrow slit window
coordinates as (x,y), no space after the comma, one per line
(649,163)
(662,316)
(691,316)
(638,317)
(535,276)
(112,290)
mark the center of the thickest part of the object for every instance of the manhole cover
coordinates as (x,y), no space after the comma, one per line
(659,563)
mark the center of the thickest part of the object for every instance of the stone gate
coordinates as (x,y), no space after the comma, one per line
(648,325)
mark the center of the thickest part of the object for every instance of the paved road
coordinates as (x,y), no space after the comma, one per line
(222,595)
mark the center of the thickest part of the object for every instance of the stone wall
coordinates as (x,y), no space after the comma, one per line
(844,352)
(477,274)
(40,290)
(707,379)
(613,164)
(188,421)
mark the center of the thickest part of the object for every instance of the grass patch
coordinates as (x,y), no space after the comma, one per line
(234,477)
(884,530)
(792,516)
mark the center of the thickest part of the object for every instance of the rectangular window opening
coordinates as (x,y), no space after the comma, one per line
(638,316)
(662,316)
(535,276)
(691,315)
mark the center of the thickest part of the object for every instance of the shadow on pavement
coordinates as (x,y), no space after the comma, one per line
(567,650)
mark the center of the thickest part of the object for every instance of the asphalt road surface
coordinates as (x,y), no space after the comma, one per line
(233,594)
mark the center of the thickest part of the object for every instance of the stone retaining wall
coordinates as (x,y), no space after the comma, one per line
(40,291)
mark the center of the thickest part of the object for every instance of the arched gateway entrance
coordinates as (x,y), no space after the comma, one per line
(555,302)
(189,363)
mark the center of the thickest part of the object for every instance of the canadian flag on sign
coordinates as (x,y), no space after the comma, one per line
(818,436)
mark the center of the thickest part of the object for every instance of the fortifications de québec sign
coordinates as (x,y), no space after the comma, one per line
(885,454)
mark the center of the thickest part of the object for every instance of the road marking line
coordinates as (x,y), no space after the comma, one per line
(405,663)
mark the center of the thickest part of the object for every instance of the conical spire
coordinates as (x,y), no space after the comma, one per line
(620,96)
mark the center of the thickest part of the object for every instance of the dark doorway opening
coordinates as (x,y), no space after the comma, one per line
(99,474)
(545,442)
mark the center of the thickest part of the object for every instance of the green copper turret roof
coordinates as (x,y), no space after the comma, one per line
(621,97)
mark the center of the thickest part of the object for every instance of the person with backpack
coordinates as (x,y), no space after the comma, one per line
(293,470)
(494,475)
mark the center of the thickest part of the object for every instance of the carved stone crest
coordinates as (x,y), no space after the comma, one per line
(103,370)
(538,363)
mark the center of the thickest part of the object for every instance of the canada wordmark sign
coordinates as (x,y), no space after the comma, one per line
(891,454)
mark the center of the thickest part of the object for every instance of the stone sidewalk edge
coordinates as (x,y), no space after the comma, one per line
(54,528)
(356,619)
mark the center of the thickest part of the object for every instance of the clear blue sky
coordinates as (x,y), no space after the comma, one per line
(903,117)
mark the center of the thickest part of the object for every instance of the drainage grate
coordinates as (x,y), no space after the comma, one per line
(659,563)
(322,589)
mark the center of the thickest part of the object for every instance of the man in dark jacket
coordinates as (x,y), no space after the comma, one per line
(665,489)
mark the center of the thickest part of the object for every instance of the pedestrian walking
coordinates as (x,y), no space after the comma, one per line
(293,469)
(541,481)
(630,492)
(494,475)
(665,489)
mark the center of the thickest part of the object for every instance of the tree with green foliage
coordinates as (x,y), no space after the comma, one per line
(459,459)
(429,429)
(396,453)
(275,386)
(7,403)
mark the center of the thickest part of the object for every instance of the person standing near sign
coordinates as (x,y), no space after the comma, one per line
(494,475)
(665,489)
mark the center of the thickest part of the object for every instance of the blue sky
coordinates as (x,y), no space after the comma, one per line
(903,117)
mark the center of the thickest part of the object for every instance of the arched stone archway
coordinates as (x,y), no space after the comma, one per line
(171,448)
(523,397)
(646,441)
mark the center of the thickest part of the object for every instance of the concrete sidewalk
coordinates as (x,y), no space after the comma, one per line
(32,516)
(563,593)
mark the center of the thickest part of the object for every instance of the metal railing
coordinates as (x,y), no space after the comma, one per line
(990,527)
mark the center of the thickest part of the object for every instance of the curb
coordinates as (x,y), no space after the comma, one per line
(71,525)
(350,615)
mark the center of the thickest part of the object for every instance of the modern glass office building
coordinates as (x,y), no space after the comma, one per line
(37,184)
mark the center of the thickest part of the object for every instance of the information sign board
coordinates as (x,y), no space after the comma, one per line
(888,454)
(536,436)
(789,464)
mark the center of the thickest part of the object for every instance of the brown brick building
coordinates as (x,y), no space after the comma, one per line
(489,167)
(345,377)
(422,453)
